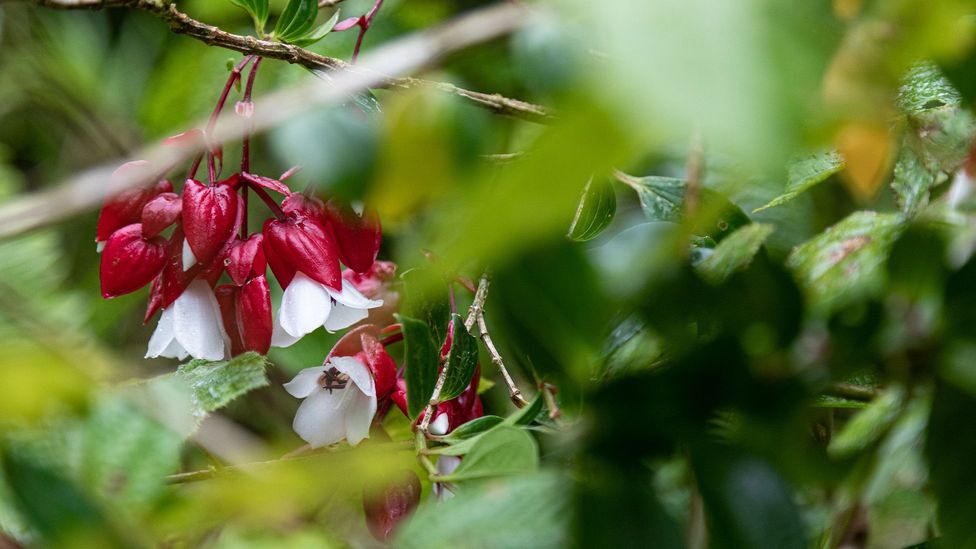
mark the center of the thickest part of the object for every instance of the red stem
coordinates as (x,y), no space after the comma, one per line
(235,75)
(391,339)
(263,195)
(246,144)
(364,22)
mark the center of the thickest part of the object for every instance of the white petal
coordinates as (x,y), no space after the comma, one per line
(100,245)
(305,382)
(163,336)
(197,323)
(304,307)
(357,371)
(440,425)
(279,337)
(445,466)
(319,419)
(344,317)
(189,259)
(359,412)
(351,297)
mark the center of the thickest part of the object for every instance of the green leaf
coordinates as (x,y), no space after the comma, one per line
(461,361)
(258,9)
(924,88)
(845,262)
(662,199)
(748,503)
(504,450)
(868,425)
(319,33)
(595,211)
(472,428)
(912,181)
(735,252)
(528,414)
(58,509)
(125,454)
(949,446)
(511,512)
(296,19)
(804,174)
(215,384)
(425,298)
(421,361)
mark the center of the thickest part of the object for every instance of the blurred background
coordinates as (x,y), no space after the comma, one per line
(749,102)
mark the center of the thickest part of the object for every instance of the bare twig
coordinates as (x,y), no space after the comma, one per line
(496,359)
(87,190)
(180,23)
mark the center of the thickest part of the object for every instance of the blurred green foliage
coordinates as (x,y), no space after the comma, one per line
(760,327)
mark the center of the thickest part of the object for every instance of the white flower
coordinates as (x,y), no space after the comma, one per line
(190,326)
(340,402)
(445,466)
(307,304)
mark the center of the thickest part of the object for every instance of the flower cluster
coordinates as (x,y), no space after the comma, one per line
(305,243)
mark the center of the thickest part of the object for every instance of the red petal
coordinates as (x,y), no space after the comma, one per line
(351,343)
(254,315)
(246,257)
(303,244)
(210,216)
(227,299)
(155,298)
(173,278)
(358,237)
(125,208)
(160,212)
(374,355)
(283,271)
(306,205)
(266,182)
(387,506)
(346,24)
(130,261)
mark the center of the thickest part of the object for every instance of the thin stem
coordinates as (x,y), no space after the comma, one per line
(235,75)
(391,339)
(246,153)
(364,23)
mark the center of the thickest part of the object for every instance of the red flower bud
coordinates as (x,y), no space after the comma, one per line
(246,259)
(227,299)
(210,216)
(160,212)
(254,315)
(380,363)
(358,236)
(130,261)
(388,505)
(125,208)
(302,243)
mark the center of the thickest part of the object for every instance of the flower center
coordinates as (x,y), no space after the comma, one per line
(332,379)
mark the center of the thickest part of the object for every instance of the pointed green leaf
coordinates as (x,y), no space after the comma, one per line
(296,19)
(595,211)
(868,425)
(528,414)
(503,450)
(319,33)
(461,361)
(805,173)
(735,252)
(662,199)
(472,428)
(421,361)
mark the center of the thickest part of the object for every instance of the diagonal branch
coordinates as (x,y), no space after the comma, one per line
(181,23)
(87,190)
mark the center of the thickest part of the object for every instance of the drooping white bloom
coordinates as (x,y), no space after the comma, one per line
(191,326)
(445,466)
(334,410)
(307,304)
